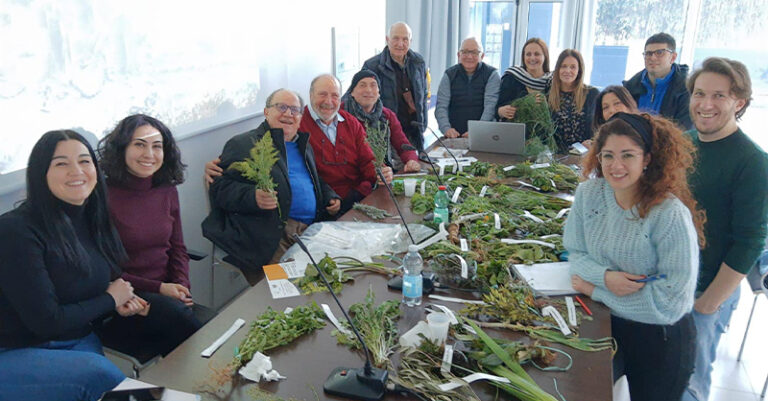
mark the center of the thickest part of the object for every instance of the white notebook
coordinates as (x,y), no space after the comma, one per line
(546,278)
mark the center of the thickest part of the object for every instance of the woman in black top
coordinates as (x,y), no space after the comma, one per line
(518,81)
(58,273)
(571,101)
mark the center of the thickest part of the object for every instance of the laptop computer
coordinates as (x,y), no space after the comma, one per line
(497,137)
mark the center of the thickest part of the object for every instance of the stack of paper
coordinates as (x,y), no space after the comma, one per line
(549,279)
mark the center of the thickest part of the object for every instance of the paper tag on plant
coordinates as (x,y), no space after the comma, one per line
(445,367)
(424,187)
(550,310)
(463,244)
(496,221)
(464,267)
(540,165)
(483,191)
(509,168)
(562,213)
(451,316)
(571,311)
(456,193)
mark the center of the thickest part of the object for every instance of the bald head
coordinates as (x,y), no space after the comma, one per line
(399,41)
(325,96)
(470,54)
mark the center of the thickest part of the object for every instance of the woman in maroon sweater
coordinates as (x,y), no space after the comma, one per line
(143,166)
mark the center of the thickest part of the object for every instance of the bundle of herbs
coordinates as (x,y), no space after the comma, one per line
(371,211)
(377,136)
(533,111)
(377,325)
(337,271)
(258,167)
(419,372)
(274,329)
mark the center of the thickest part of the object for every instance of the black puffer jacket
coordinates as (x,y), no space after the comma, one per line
(236,224)
(674,106)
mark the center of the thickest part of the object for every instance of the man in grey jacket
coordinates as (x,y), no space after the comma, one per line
(403,76)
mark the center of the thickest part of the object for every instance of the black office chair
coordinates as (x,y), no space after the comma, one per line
(759,285)
(140,353)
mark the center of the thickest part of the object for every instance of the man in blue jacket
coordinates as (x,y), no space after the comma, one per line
(660,87)
(403,76)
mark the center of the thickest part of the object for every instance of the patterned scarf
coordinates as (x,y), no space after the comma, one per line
(527,79)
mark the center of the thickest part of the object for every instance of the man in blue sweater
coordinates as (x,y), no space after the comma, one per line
(660,87)
(730,183)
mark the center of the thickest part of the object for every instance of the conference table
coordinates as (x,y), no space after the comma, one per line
(308,360)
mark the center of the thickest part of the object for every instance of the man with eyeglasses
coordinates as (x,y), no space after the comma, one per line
(660,87)
(468,91)
(404,86)
(254,226)
(344,159)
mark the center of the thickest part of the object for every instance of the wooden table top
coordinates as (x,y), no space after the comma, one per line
(308,361)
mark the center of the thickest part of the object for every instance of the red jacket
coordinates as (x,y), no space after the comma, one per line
(397,137)
(348,164)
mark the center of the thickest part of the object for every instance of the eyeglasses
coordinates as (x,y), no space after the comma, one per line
(470,52)
(607,159)
(282,107)
(657,53)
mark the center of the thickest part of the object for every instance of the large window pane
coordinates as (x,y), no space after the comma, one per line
(544,23)
(621,28)
(737,30)
(493,23)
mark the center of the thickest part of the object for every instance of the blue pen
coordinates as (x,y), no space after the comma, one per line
(650,278)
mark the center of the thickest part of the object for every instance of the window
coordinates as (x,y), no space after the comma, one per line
(620,30)
(493,23)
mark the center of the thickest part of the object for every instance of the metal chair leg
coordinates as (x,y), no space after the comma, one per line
(744,340)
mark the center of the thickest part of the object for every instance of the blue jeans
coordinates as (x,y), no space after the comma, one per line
(709,328)
(57,371)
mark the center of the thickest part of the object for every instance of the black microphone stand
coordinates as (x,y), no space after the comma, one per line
(368,383)
(394,200)
(416,123)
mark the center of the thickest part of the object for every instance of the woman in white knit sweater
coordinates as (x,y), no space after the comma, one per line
(636,220)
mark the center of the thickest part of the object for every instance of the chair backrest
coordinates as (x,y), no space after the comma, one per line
(758,275)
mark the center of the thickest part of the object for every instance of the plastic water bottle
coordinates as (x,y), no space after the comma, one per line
(441,206)
(412,265)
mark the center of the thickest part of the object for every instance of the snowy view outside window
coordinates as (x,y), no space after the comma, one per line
(87,64)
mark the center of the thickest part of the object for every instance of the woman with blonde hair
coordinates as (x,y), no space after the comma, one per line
(531,77)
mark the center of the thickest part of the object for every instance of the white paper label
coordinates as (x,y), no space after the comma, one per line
(525,184)
(282,288)
(447,359)
(532,217)
(571,311)
(562,213)
(333,319)
(550,310)
(540,165)
(224,337)
(424,187)
(464,267)
(456,193)
(469,379)
(442,169)
(496,221)
(463,244)
(483,191)
(450,314)
(508,168)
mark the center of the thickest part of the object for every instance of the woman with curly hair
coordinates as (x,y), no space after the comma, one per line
(143,166)
(611,100)
(632,235)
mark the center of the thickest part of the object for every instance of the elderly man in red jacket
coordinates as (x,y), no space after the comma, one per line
(344,159)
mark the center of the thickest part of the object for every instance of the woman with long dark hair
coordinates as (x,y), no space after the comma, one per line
(611,100)
(143,166)
(632,235)
(531,77)
(571,101)
(59,272)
